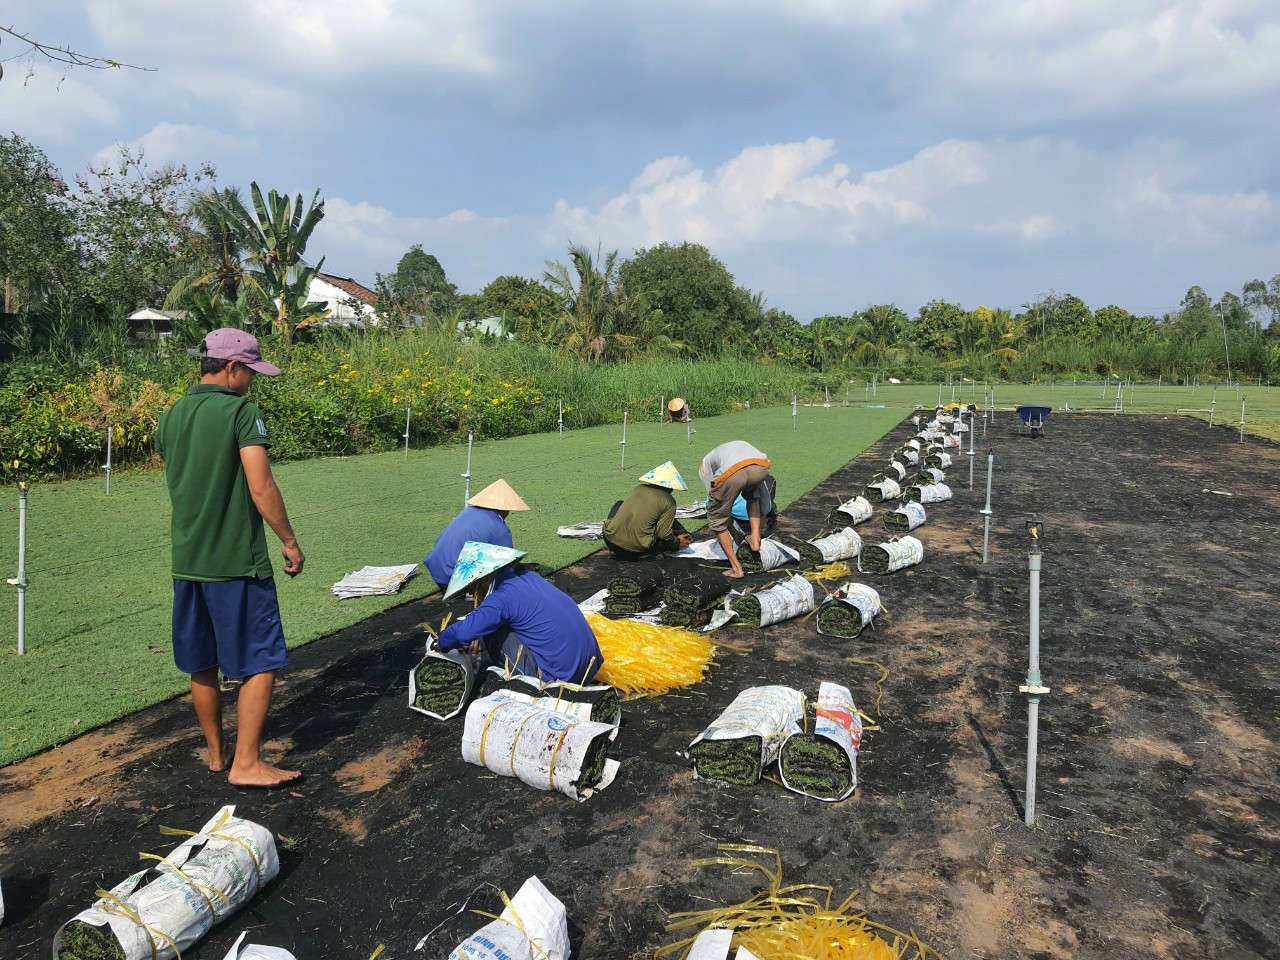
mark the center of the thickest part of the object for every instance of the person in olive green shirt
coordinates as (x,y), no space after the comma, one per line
(645,523)
(225,612)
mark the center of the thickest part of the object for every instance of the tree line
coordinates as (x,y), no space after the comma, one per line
(77,257)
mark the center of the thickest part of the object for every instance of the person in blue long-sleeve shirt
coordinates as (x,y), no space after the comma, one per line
(522,620)
(483,520)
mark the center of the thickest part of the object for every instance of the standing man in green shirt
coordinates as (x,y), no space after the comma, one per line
(225,612)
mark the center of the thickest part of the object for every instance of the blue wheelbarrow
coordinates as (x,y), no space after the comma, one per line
(1034,417)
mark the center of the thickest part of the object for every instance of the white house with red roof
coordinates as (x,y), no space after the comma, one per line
(350,303)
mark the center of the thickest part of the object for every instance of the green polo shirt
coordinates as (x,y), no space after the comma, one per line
(646,521)
(216,530)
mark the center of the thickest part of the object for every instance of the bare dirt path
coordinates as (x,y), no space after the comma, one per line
(1158,776)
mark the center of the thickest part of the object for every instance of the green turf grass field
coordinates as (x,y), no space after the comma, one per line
(98,605)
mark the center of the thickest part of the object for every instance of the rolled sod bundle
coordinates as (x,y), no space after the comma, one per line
(848,611)
(838,546)
(940,460)
(684,618)
(441,682)
(933,475)
(882,491)
(160,912)
(637,589)
(906,518)
(598,702)
(532,924)
(824,763)
(928,435)
(782,601)
(906,457)
(698,592)
(891,555)
(929,493)
(951,440)
(772,554)
(852,512)
(746,737)
(542,748)
(893,471)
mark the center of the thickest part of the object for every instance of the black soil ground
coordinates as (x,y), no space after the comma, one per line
(1157,831)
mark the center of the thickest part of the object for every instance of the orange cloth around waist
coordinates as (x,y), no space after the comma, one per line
(755,461)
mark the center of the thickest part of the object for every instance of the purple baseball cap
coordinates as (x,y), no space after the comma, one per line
(228,343)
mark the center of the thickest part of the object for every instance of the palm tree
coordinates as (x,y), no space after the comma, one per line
(588,299)
(878,335)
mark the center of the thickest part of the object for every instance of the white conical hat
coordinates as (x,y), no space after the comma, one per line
(665,475)
(498,496)
(478,560)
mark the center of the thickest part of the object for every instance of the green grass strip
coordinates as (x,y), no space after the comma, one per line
(816,765)
(441,685)
(84,941)
(735,761)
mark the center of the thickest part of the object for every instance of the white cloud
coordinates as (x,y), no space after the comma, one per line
(48,107)
(178,142)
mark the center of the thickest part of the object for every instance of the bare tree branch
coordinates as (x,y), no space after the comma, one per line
(71,58)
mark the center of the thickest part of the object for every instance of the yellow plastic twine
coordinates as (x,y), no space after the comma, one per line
(786,922)
(121,909)
(199,887)
(884,675)
(253,857)
(645,660)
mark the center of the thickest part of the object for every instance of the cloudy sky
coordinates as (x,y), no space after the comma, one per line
(832,153)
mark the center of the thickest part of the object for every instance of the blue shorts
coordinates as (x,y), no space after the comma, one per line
(230,624)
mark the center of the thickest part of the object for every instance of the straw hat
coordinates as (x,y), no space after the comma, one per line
(478,560)
(498,496)
(676,404)
(665,475)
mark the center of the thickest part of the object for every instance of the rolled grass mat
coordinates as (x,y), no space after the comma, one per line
(749,559)
(643,579)
(882,491)
(697,592)
(441,685)
(816,765)
(734,761)
(875,559)
(810,555)
(628,605)
(748,609)
(896,522)
(839,620)
(605,705)
(593,763)
(684,617)
(84,941)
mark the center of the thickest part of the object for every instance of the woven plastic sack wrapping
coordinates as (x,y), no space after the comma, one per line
(771,713)
(572,699)
(858,509)
(936,475)
(541,748)
(903,552)
(533,927)
(930,434)
(896,468)
(944,460)
(914,512)
(253,951)
(844,545)
(786,600)
(774,554)
(836,720)
(161,911)
(888,489)
(909,457)
(468,665)
(912,444)
(951,440)
(715,945)
(932,493)
(858,596)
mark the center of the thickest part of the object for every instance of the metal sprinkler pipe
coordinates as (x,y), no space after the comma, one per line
(986,511)
(20,581)
(688,415)
(1242,421)
(793,410)
(561,420)
(408,411)
(973,429)
(471,436)
(1033,688)
(662,408)
(107,467)
(625,413)
(1213,403)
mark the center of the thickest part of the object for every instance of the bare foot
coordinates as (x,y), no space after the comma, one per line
(262,775)
(755,547)
(223,763)
(734,574)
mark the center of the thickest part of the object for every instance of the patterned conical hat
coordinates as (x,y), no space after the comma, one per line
(665,475)
(498,496)
(478,560)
